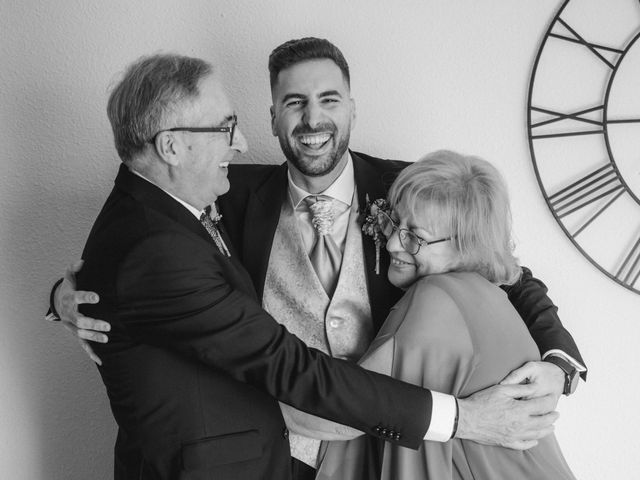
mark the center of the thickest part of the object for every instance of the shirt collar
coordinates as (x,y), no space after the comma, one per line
(341,189)
(197,213)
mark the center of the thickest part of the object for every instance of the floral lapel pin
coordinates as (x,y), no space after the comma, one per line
(371,227)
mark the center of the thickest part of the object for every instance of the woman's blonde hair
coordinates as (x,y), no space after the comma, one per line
(465,197)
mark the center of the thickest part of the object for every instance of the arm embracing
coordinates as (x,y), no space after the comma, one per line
(529,297)
(174,292)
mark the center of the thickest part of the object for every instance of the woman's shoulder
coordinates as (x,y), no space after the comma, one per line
(440,293)
(452,282)
(454,288)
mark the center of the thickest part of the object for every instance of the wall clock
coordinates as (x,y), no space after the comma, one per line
(584,130)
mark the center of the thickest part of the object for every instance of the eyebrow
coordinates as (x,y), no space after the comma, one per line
(326,93)
(289,96)
(228,118)
(330,93)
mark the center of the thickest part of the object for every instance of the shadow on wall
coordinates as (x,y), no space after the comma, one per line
(72,421)
(60,411)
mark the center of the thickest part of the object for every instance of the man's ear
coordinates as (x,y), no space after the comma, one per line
(272,112)
(167,147)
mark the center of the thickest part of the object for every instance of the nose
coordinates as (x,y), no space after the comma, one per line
(312,114)
(393,242)
(239,141)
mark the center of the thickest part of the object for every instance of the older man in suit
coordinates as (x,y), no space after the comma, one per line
(194,364)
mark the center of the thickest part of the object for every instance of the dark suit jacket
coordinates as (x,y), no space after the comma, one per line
(193,363)
(257,193)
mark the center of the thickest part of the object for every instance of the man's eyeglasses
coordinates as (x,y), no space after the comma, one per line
(231,129)
(409,240)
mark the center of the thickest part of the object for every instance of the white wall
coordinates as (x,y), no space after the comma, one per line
(426,74)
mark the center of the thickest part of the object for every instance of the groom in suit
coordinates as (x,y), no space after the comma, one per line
(272,226)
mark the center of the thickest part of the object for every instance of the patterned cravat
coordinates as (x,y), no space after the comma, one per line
(213,230)
(325,255)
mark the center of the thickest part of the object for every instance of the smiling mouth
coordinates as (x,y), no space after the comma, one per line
(314,141)
(399,263)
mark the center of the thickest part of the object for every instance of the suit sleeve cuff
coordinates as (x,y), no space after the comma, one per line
(443,415)
(559,353)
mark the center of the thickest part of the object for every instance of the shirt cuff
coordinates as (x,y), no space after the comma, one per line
(559,353)
(443,414)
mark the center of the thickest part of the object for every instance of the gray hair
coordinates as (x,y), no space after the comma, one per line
(149,97)
(466,197)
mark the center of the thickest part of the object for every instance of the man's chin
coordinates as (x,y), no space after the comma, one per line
(315,165)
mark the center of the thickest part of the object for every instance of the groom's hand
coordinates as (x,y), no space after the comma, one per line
(547,378)
(66,301)
(498,415)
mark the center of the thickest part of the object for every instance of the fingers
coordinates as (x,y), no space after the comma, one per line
(534,429)
(517,390)
(81,296)
(88,323)
(89,351)
(520,375)
(83,334)
(540,406)
(92,336)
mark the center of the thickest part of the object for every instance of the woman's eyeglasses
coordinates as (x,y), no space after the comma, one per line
(409,240)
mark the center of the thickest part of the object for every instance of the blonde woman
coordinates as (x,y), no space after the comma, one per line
(454,330)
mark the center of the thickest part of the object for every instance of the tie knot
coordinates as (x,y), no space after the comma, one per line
(321,208)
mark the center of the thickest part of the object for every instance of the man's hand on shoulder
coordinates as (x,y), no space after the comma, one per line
(507,415)
(66,301)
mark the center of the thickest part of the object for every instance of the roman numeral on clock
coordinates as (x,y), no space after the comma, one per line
(601,185)
(578,116)
(629,271)
(593,47)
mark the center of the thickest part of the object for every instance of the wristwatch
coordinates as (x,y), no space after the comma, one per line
(570,373)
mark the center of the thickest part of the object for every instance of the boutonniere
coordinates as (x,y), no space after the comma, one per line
(371,227)
(214,215)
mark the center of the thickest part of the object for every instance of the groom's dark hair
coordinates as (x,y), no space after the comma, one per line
(302,49)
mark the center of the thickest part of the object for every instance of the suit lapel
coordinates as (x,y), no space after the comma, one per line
(261,220)
(374,184)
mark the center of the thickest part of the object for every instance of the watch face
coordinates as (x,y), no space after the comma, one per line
(584,131)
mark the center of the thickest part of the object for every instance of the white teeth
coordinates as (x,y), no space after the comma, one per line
(224,164)
(395,261)
(315,139)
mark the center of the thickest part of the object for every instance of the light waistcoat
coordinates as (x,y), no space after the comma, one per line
(340,326)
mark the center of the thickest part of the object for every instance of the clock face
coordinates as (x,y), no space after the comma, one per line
(584,131)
